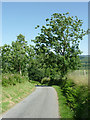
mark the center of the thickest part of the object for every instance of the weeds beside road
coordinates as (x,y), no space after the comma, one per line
(73,95)
(79,77)
(12,94)
(64,110)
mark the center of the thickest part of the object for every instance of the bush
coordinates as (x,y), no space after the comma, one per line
(35,82)
(45,80)
(35,73)
(76,97)
(12,79)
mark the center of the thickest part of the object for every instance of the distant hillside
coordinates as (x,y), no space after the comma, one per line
(84,58)
(85,61)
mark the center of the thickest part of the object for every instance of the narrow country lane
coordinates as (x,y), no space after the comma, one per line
(42,103)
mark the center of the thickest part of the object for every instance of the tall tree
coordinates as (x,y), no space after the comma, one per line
(60,38)
(5,52)
(19,53)
(15,57)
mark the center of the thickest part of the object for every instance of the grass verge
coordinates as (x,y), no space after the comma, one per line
(14,94)
(79,77)
(64,110)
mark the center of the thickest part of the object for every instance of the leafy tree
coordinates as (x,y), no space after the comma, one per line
(20,54)
(6,58)
(59,42)
(35,71)
(15,58)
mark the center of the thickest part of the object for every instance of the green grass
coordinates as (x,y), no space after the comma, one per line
(14,94)
(79,77)
(64,110)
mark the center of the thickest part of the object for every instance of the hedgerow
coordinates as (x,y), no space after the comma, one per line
(76,98)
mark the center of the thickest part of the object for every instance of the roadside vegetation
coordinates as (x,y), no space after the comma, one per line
(74,90)
(64,109)
(14,89)
(54,60)
(76,97)
(79,77)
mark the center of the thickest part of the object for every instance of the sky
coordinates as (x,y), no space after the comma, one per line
(23,17)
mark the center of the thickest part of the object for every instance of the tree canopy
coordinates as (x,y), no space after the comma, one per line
(56,49)
(15,58)
(59,41)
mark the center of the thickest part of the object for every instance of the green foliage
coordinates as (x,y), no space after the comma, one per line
(15,58)
(64,110)
(35,72)
(6,58)
(55,53)
(59,41)
(45,80)
(76,98)
(12,79)
(34,82)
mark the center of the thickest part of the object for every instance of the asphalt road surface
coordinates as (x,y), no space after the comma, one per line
(42,103)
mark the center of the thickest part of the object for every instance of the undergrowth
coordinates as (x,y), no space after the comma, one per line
(64,110)
(76,98)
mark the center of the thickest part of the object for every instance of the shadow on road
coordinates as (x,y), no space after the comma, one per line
(42,86)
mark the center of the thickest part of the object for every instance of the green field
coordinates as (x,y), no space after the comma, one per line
(85,62)
(79,77)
